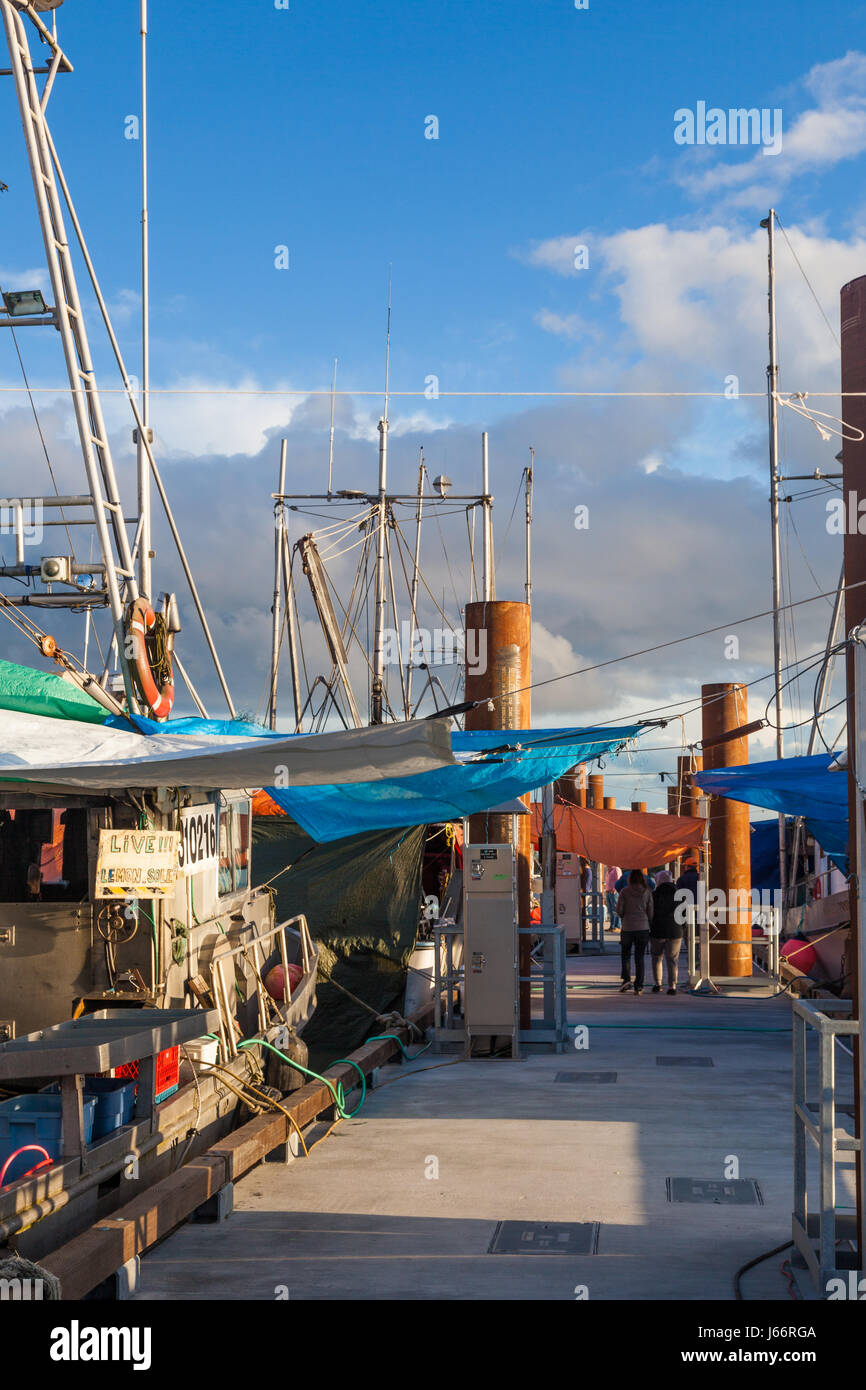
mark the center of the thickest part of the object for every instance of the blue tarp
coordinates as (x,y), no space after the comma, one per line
(529,758)
(495,765)
(764,847)
(193,724)
(799,787)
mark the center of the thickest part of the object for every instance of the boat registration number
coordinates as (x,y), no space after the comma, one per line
(198,838)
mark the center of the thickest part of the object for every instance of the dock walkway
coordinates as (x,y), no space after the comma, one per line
(405,1201)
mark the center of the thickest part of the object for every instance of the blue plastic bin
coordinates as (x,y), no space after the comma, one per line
(35,1120)
(115,1102)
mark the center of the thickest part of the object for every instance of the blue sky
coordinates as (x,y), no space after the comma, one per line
(306,127)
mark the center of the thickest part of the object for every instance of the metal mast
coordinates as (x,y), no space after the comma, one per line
(68,318)
(413,603)
(279,534)
(488,582)
(377,692)
(773,410)
(331,434)
(143,463)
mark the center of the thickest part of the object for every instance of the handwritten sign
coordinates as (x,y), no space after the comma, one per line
(137,863)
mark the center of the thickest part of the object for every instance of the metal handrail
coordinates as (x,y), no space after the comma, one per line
(816,1241)
(255,946)
(698,934)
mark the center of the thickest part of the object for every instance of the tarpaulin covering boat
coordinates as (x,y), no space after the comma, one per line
(68,753)
(491,766)
(799,787)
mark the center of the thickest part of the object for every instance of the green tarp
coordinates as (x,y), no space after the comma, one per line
(41,692)
(361,897)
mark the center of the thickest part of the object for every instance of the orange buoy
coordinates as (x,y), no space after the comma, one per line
(142,622)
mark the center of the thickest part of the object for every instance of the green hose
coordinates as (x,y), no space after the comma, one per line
(392,1037)
(338,1093)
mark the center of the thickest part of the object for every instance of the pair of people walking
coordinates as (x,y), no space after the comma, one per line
(648,918)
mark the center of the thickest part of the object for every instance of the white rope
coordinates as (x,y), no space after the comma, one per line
(796,401)
(422,395)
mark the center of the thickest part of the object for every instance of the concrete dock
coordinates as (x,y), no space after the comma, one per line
(406,1200)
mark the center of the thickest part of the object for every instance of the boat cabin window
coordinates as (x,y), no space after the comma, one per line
(43,855)
(234,866)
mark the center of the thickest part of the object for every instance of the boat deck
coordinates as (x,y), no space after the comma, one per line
(405,1201)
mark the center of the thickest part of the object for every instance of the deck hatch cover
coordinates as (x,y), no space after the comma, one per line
(684,1061)
(730,1192)
(600,1078)
(544,1238)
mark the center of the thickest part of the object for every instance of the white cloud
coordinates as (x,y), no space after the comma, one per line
(818,138)
(571,326)
(695,299)
(555,253)
(13,278)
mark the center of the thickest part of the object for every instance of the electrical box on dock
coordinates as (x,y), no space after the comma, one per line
(490,956)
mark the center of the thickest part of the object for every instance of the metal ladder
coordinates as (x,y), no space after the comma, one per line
(68,318)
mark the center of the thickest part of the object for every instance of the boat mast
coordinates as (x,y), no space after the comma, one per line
(279,529)
(143,462)
(377,692)
(488,582)
(331,435)
(413,603)
(773,411)
(290,628)
(67,317)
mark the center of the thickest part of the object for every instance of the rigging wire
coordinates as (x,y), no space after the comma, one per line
(661,646)
(419,395)
(514,508)
(41,435)
(808,282)
(815,578)
(443,615)
(447,561)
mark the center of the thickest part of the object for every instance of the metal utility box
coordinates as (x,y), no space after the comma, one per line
(569,913)
(490,942)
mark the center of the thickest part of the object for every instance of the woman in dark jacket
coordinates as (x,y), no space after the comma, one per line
(634,907)
(666,933)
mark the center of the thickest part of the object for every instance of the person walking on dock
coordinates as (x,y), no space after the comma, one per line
(666,934)
(614,873)
(635,907)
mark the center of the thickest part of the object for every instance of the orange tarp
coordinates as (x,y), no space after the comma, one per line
(631,839)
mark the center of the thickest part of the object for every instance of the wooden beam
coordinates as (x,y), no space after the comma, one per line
(84,1262)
